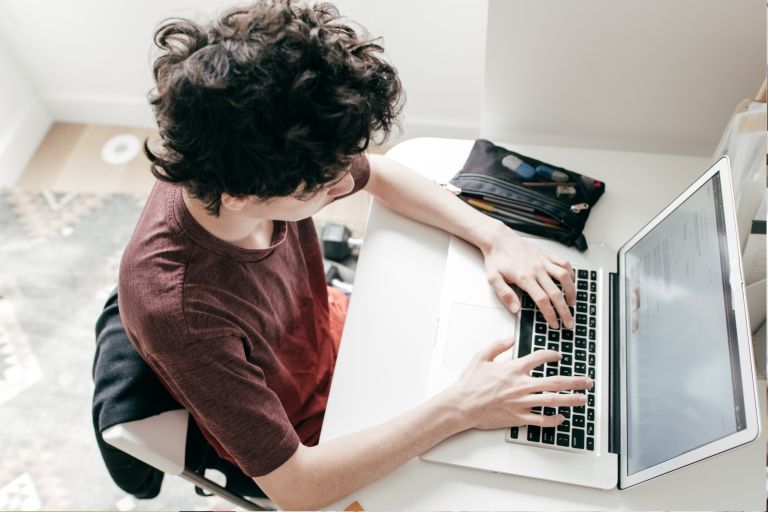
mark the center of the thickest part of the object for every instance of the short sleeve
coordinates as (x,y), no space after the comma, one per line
(361,171)
(228,395)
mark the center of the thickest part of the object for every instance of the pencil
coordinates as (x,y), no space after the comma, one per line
(547,184)
(535,218)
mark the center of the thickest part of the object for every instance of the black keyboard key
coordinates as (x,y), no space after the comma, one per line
(540,341)
(537,373)
(540,317)
(581,307)
(582,296)
(592,335)
(592,310)
(514,432)
(590,429)
(567,359)
(578,420)
(592,298)
(553,336)
(581,319)
(565,371)
(577,438)
(593,287)
(583,274)
(591,360)
(591,444)
(566,347)
(582,285)
(548,435)
(565,411)
(540,328)
(581,342)
(580,368)
(563,440)
(553,346)
(591,374)
(528,302)
(593,275)
(526,323)
(591,347)
(579,409)
(592,322)
(581,330)
(567,334)
(591,400)
(552,365)
(534,433)
(551,372)
(581,355)
(564,426)
(590,414)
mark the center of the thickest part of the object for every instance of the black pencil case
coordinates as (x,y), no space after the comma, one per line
(527,194)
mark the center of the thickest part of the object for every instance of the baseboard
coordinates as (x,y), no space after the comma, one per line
(100,110)
(19,143)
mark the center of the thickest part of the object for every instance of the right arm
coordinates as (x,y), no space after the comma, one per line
(488,395)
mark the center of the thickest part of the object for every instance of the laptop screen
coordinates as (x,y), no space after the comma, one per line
(683,377)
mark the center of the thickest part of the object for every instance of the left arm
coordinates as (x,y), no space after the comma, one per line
(508,257)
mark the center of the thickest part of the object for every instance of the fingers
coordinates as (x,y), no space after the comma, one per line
(491,351)
(556,298)
(542,300)
(561,263)
(554,400)
(505,293)
(564,275)
(560,383)
(538,358)
(541,420)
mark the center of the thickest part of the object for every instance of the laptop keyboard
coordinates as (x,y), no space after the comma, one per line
(577,346)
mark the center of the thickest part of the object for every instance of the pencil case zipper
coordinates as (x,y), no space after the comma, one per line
(551,207)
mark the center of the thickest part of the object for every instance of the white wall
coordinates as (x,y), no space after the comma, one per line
(652,75)
(90,59)
(438,47)
(23,119)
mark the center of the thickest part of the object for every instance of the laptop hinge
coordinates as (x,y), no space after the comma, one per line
(614,409)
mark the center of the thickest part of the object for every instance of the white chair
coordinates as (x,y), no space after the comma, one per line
(161,442)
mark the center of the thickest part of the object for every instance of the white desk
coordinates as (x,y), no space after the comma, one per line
(386,347)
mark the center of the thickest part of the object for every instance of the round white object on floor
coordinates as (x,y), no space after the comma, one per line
(120,149)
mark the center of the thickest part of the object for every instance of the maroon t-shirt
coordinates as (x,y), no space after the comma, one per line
(240,338)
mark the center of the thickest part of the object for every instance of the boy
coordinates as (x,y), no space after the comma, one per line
(264,117)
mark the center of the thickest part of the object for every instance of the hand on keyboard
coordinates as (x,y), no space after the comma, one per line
(501,394)
(511,260)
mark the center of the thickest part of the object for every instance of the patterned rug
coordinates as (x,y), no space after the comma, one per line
(59,256)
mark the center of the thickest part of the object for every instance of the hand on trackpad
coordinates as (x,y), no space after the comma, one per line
(471,327)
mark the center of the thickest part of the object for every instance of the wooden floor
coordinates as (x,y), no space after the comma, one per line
(69,159)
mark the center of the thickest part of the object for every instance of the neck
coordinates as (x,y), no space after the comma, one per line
(233,227)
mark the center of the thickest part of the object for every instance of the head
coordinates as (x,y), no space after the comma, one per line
(268,105)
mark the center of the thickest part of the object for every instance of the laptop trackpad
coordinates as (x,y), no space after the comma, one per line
(471,328)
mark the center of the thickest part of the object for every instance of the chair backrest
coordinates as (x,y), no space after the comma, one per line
(142,431)
(125,390)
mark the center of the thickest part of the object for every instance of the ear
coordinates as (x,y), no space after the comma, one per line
(235,203)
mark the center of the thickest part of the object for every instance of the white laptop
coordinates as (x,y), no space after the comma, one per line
(662,328)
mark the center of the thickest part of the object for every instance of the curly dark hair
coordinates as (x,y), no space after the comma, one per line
(269,97)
